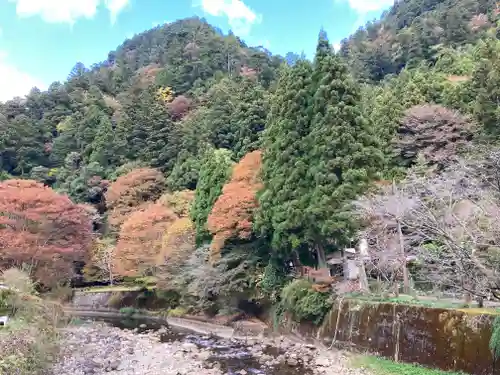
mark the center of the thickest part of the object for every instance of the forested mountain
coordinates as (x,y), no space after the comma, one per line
(218,168)
(129,108)
(417,31)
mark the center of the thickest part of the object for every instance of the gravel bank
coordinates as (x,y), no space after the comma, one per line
(96,348)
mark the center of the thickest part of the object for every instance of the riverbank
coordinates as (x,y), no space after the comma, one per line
(95,348)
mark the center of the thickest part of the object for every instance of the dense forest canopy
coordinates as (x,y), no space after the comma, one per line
(215,167)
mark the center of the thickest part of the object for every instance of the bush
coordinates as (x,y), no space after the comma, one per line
(30,340)
(303,303)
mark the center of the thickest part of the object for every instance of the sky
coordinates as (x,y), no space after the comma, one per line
(41,40)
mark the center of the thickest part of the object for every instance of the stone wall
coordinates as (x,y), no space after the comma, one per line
(102,300)
(455,340)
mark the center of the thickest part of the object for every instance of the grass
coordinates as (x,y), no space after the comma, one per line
(112,288)
(410,300)
(382,366)
(29,342)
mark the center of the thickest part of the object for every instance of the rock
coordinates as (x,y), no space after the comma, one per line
(143,326)
(188,346)
(113,365)
(292,362)
(204,355)
(322,361)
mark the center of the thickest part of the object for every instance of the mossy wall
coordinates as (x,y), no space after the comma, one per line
(140,299)
(456,340)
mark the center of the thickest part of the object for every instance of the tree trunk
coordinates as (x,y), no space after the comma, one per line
(321,256)
(406,279)
(110,273)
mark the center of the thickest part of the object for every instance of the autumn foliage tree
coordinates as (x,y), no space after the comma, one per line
(140,240)
(43,230)
(133,191)
(232,214)
(178,201)
(179,241)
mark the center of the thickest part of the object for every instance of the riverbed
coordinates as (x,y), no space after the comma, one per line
(91,347)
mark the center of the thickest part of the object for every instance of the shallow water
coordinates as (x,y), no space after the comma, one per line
(231,355)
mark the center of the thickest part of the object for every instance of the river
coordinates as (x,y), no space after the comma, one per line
(135,347)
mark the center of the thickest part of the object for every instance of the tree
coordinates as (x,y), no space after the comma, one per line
(179,241)
(103,255)
(131,192)
(103,146)
(485,83)
(436,133)
(179,202)
(282,205)
(384,213)
(343,153)
(215,171)
(140,240)
(43,230)
(456,218)
(448,223)
(232,214)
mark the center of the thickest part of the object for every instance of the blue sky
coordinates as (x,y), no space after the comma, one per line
(41,40)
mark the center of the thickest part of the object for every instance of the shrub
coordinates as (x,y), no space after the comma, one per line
(30,340)
(303,303)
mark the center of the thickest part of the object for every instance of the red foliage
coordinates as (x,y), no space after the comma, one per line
(232,214)
(179,107)
(43,229)
(132,192)
(140,240)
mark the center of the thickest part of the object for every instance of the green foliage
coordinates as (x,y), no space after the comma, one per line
(128,311)
(303,303)
(30,340)
(205,287)
(382,366)
(283,201)
(215,171)
(185,172)
(485,83)
(273,280)
(344,153)
(319,153)
(495,338)
(413,31)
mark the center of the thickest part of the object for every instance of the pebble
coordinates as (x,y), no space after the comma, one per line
(98,349)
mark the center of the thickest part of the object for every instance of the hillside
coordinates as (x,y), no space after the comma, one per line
(415,31)
(98,116)
(220,172)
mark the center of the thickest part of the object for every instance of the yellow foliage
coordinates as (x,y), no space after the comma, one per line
(165,94)
(177,240)
(64,125)
(179,202)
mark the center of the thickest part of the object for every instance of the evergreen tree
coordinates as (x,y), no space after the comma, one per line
(485,82)
(103,146)
(283,203)
(215,171)
(342,151)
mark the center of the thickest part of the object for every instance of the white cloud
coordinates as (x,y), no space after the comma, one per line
(239,15)
(67,11)
(14,82)
(115,7)
(364,6)
(336,47)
